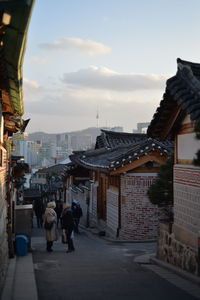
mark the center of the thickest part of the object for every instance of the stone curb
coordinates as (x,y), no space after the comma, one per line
(96,232)
(20,283)
(9,281)
(128,241)
(178,271)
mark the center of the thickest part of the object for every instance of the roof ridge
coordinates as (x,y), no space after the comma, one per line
(122,133)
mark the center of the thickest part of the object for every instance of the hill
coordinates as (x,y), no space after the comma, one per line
(51,137)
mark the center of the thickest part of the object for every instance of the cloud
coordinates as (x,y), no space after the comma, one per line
(32,90)
(39,60)
(78,101)
(84,46)
(67,107)
(31,84)
(70,110)
(104,78)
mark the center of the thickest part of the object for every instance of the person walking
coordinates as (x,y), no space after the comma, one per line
(58,210)
(50,225)
(39,209)
(68,225)
(77,214)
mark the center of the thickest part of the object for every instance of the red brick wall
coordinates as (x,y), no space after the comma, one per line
(139,218)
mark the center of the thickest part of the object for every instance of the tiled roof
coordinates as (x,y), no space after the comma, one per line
(182,92)
(112,139)
(56,169)
(110,159)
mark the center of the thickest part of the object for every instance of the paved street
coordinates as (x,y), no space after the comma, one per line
(98,269)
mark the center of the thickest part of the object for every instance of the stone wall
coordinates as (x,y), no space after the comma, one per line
(3,219)
(171,250)
(139,218)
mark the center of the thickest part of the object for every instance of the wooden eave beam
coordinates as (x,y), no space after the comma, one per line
(170,123)
(93,168)
(10,126)
(153,155)
(6,104)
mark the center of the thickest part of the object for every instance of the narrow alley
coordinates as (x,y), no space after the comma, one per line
(98,269)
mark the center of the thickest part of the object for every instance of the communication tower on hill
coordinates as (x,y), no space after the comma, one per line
(97,117)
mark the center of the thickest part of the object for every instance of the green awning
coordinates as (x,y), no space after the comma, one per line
(12,50)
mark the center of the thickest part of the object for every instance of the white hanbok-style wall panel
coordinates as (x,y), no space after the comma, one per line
(187,146)
(112,211)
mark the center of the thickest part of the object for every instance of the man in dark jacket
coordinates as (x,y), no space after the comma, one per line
(68,225)
(39,210)
(77,214)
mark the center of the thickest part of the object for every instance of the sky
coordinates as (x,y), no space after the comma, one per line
(110,56)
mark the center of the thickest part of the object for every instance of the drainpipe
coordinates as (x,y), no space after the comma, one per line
(119,208)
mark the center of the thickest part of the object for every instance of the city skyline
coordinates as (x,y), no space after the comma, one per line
(114,56)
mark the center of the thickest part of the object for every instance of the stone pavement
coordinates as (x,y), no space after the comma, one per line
(180,278)
(20,282)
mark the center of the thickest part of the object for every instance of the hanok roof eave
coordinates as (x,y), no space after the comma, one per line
(13,48)
(112,139)
(181,97)
(108,160)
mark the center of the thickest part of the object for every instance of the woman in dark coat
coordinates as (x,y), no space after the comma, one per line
(68,225)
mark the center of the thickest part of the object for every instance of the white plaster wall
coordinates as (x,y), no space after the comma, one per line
(94,200)
(186,120)
(112,210)
(188,146)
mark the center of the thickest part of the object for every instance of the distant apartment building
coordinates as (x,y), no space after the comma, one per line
(40,153)
(28,149)
(62,139)
(45,153)
(141,127)
(80,142)
(117,129)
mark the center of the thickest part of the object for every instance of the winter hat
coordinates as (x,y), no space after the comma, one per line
(51,204)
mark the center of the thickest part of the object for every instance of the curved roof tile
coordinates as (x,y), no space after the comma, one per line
(182,90)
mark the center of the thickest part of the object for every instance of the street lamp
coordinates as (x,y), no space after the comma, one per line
(5,21)
(6,18)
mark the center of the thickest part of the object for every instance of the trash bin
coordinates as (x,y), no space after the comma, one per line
(21,242)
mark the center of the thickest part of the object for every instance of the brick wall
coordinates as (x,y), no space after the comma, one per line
(139,218)
(112,212)
(186,198)
(3,222)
